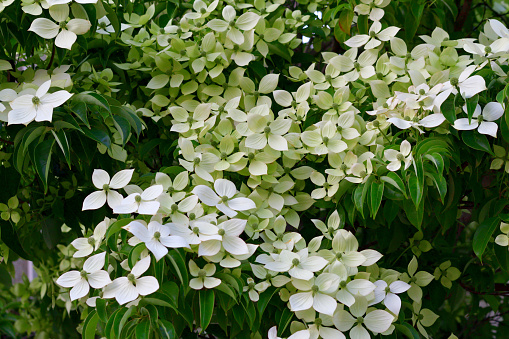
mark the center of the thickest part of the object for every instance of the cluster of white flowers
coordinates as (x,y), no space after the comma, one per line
(230,126)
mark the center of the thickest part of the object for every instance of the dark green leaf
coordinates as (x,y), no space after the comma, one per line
(91,98)
(415,188)
(123,127)
(376,194)
(42,159)
(80,109)
(471,105)
(99,136)
(206,308)
(100,306)
(90,325)
(143,329)
(63,143)
(476,141)
(135,253)
(449,109)
(483,235)
(167,329)
(284,321)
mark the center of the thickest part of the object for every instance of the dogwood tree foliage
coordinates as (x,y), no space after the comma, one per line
(281,169)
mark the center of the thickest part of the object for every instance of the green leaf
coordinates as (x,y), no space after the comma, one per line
(206,307)
(127,113)
(396,181)
(121,319)
(63,143)
(279,49)
(112,16)
(92,16)
(502,257)
(483,235)
(226,289)
(440,183)
(345,20)
(284,321)
(476,141)
(437,160)
(90,325)
(407,330)
(10,238)
(179,265)
(109,325)
(135,253)
(100,306)
(449,109)
(265,298)
(376,194)
(143,329)
(92,98)
(362,24)
(471,105)
(415,188)
(42,160)
(81,110)
(167,329)
(123,127)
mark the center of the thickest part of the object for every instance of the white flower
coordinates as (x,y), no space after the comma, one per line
(483,122)
(101,180)
(299,265)
(66,33)
(204,276)
(126,289)
(344,250)
(228,232)
(91,275)
(28,107)
(377,321)
(141,203)
(373,8)
(245,22)
(374,38)
(388,293)
(85,246)
(315,293)
(467,86)
(347,290)
(395,157)
(157,237)
(267,132)
(222,200)
(104,26)
(254,289)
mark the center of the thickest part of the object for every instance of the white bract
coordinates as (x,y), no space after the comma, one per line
(203,276)
(156,237)
(101,180)
(389,294)
(92,275)
(396,158)
(142,202)
(222,197)
(39,106)
(65,32)
(126,289)
(483,122)
(356,321)
(85,246)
